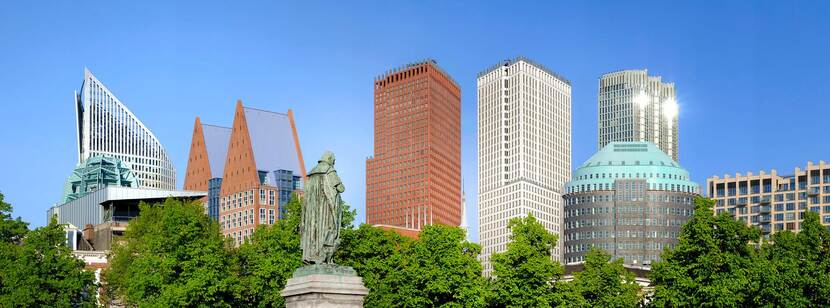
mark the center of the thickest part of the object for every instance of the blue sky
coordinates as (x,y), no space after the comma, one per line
(751,76)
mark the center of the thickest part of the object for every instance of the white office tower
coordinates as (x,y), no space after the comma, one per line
(107,128)
(634,106)
(524,150)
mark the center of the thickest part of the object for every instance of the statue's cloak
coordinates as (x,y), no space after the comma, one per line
(320,229)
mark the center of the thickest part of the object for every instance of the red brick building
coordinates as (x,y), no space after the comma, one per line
(257,165)
(414,177)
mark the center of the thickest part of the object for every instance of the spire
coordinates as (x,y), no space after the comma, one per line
(464,225)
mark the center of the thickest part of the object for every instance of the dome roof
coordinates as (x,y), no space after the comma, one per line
(631,160)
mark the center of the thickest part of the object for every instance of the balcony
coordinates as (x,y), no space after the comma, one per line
(742,202)
(764,219)
(765,200)
(766,229)
(813,191)
(765,209)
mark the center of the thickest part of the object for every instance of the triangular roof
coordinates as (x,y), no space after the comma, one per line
(260,141)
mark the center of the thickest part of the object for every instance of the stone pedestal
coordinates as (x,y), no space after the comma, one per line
(324,286)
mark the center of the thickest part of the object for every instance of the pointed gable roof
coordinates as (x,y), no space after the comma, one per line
(260,141)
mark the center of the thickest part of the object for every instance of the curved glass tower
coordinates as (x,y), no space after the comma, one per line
(629,199)
(107,128)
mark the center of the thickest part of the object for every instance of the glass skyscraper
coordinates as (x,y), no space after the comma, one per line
(634,106)
(105,127)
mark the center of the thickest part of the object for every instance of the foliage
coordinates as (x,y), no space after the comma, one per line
(606,283)
(172,254)
(442,269)
(42,271)
(525,272)
(11,230)
(712,265)
(795,268)
(376,255)
(269,259)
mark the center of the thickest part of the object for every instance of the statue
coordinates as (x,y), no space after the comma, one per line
(321,283)
(320,225)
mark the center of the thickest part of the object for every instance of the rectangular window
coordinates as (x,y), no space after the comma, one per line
(261,216)
(271,197)
(262,196)
(271,217)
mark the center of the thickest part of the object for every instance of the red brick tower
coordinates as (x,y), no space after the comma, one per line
(414,178)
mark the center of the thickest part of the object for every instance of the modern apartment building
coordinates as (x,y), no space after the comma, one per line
(105,127)
(206,164)
(414,177)
(771,201)
(263,166)
(524,150)
(629,199)
(634,106)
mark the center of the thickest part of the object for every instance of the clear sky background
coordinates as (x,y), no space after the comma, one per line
(751,76)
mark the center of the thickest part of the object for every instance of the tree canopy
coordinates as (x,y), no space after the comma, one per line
(172,254)
(606,283)
(38,269)
(524,274)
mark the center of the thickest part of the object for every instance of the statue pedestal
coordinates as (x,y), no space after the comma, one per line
(324,286)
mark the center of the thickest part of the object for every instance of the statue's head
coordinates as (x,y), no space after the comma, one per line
(328,157)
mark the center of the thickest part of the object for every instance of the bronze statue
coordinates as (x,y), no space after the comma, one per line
(320,225)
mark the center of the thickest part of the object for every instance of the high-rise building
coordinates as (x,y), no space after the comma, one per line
(107,128)
(414,177)
(524,150)
(771,201)
(263,166)
(208,150)
(634,106)
(629,199)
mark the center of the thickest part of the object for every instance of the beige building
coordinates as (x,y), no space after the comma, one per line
(771,201)
(524,150)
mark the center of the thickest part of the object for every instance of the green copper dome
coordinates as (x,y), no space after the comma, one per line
(95,173)
(631,160)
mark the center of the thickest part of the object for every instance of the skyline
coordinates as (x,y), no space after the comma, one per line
(179,57)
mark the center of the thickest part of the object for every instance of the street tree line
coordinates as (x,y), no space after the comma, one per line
(172,254)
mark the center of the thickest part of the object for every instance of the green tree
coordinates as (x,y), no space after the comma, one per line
(11,230)
(376,255)
(795,268)
(172,254)
(713,263)
(269,259)
(442,270)
(606,283)
(42,272)
(524,274)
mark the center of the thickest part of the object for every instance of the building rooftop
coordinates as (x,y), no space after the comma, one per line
(509,62)
(630,160)
(217,139)
(272,141)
